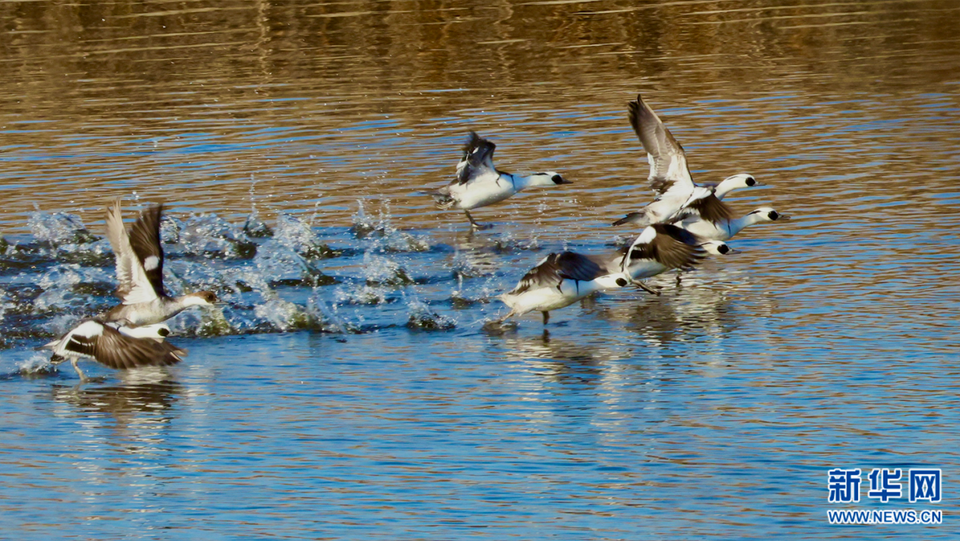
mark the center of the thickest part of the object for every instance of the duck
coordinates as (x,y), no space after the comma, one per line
(557,281)
(115,346)
(711,247)
(718,224)
(659,248)
(669,175)
(711,208)
(561,279)
(479,183)
(139,262)
(717,189)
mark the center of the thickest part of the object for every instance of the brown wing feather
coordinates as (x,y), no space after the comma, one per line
(574,266)
(145,241)
(477,158)
(661,185)
(118,351)
(659,143)
(712,209)
(675,247)
(558,267)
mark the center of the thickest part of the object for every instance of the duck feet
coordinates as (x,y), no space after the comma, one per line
(476,225)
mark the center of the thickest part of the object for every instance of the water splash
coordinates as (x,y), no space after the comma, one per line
(508,243)
(364,294)
(362,224)
(205,322)
(170,229)
(58,285)
(298,236)
(283,265)
(37,364)
(381,270)
(422,317)
(255,228)
(382,235)
(328,315)
(285,316)
(473,264)
(210,235)
(58,228)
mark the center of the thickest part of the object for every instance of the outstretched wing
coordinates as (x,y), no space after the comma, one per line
(555,268)
(674,247)
(710,209)
(477,159)
(134,285)
(668,163)
(145,241)
(116,350)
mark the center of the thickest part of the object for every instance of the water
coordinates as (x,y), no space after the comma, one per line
(347,386)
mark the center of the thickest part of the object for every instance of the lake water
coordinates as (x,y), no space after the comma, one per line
(347,386)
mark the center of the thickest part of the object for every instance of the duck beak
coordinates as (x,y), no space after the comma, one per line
(784,217)
(732,251)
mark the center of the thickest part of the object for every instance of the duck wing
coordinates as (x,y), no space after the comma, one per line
(555,268)
(114,349)
(477,159)
(669,173)
(145,241)
(674,247)
(710,209)
(134,285)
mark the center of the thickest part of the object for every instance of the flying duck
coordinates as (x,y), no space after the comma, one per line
(669,174)
(115,346)
(661,247)
(562,279)
(139,258)
(557,281)
(479,183)
(717,223)
(711,208)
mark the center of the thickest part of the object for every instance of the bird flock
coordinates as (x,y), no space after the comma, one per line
(684,223)
(680,226)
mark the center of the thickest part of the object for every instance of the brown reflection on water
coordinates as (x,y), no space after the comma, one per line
(142,400)
(330,102)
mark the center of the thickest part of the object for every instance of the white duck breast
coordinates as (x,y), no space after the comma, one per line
(139,259)
(485,190)
(559,280)
(669,174)
(725,229)
(479,183)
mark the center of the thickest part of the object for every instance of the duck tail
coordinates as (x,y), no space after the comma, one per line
(629,218)
(443,199)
